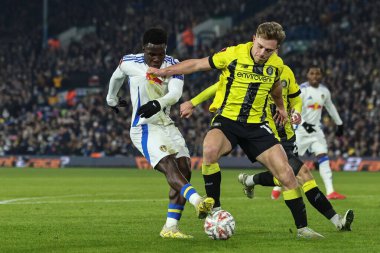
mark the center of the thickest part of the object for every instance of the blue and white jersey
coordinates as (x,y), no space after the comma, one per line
(313,101)
(144,88)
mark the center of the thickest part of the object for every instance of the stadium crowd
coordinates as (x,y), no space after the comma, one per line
(41,113)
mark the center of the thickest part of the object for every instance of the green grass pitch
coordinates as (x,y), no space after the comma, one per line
(116,210)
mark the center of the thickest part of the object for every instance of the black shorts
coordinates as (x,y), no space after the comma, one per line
(254,139)
(290,148)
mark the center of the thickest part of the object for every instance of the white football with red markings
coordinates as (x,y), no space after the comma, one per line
(219,225)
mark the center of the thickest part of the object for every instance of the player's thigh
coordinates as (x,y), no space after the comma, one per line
(319,146)
(304,142)
(153,141)
(177,141)
(277,165)
(255,139)
(216,142)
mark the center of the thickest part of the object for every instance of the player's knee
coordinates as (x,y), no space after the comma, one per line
(287,178)
(210,154)
(305,174)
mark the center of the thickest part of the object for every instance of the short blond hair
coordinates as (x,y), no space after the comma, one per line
(271,31)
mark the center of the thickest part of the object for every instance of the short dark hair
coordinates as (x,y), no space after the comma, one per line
(315,65)
(156,36)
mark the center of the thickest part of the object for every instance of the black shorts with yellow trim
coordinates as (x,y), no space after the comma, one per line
(254,139)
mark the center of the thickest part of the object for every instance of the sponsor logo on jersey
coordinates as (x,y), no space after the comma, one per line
(284,83)
(314,106)
(255,77)
(153,79)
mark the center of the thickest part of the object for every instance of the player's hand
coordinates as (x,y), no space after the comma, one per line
(296,118)
(339,131)
(309,127)
(149,109)
(186,109)
(156,72)
(121,103)
(281,117)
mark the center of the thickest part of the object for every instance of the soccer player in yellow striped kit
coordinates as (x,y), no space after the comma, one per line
(293,104)
(250,73)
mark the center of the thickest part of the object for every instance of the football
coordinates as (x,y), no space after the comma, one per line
(219,225)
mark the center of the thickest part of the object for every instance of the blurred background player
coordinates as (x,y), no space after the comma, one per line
(293,103)
(152,130)
(250,72)
(310,137)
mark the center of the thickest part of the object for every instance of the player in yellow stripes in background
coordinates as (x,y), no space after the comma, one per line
(293,104)
(250,72)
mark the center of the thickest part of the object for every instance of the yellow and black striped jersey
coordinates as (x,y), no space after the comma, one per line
(292,100)
(242,93)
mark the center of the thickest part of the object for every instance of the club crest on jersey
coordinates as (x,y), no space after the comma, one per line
(153,79)
(163,148)
(270,71)
(284,83)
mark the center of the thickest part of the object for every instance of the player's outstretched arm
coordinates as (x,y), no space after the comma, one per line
(296,105)
(115,84)
(281,117)
(185,67)
(186,108)
(175,88)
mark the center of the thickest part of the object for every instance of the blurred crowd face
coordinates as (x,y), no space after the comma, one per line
(263,49)
(314,76)
(154,55)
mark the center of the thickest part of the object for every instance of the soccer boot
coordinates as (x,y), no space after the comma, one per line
(275,194)
(174,233)
(248,190)
(308,233)
(205,207)
(347,220)
(335,195)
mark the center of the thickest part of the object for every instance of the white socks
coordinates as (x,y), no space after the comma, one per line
(249,181)
(336,221)
(194,199)
(326,174)
(171,222)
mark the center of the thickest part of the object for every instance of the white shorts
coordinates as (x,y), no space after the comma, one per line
(314,142)
(157,141)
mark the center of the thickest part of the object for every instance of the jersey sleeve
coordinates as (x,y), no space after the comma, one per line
(175,88)
(294,93)
(204,95)
(127,64)
(116,81)
(221,59)
(331,109)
